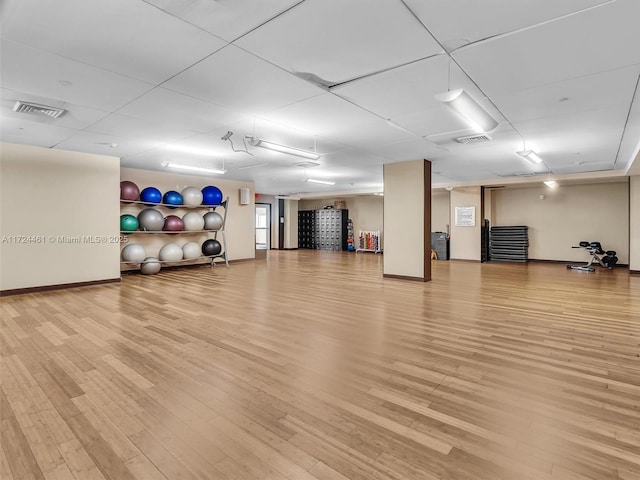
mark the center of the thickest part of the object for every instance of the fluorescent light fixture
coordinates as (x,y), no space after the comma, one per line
(255,165)
(531,156)
(276,147)
(551,183)
(323,182)
(465,106)
(193,168)
(206,152)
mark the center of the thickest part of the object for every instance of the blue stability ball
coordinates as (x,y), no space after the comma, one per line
(211,195)
(172,198)
(151,196)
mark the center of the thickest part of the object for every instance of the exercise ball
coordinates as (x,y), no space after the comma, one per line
(128,223)
(172,198)
(191,251)
(151,220)
(151,196)
(192,196)
(133,253)
(170,252)
(173,223)
(211,247)
(193,221)
(211,195)
(129,191)
(150,266)
(212,221)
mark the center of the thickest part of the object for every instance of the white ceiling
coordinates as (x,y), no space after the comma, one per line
(158,80)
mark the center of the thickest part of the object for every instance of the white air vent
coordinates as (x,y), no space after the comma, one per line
(483,137)
(307,164)
(26,107)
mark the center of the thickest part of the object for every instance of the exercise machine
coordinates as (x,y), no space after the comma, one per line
(599,256)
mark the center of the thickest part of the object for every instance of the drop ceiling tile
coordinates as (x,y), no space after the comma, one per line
(228,20)
(459,22)
(37,72)
(75,117)
(235,79)
(610,89)
(128,37)
(594,41)
(118,125)
(332,117)
(24,131)
(182,112)
(105,144)
(338,41)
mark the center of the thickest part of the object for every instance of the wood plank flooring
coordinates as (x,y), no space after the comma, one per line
(311,366)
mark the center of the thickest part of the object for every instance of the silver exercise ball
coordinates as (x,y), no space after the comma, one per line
(212,221)
(191,251)
(193,221)
(170,252)
(151,219)
(133,253)
(150,266)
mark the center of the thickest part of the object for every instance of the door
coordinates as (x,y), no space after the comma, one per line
(263,227)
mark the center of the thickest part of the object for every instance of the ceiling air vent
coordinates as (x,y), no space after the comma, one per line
(483,137)
(26,107)
(307,164)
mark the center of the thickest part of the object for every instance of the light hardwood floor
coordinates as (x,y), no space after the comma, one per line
(312,366)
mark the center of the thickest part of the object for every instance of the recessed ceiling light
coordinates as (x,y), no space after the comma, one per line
(563,99)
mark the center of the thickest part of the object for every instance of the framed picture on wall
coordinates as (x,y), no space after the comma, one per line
(465,217)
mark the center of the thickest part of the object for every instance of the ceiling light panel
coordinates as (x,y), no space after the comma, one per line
(361,39)
(22,69)
(235,79)
(110,29)
(594,41)
(228,20)
(486,19)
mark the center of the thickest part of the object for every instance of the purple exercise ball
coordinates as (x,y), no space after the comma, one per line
(173,223)
(129,191)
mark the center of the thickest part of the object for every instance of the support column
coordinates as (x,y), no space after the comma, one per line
(634,223)
(407,220)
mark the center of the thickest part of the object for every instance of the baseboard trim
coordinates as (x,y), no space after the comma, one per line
(634,272)
(59,286)
(405,277)
(290,248)
(464,260)
(571,262)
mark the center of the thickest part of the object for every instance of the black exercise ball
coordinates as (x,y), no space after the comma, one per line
(211,247)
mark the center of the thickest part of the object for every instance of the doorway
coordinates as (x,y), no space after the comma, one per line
(263,229)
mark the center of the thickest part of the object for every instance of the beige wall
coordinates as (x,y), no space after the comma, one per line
(291,224)
(634,223)
(465,241)
(404,242)
(240,226)
(366,211)
(566,216)
(66,202)
(440,211)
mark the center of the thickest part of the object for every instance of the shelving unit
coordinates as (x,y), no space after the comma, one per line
(369,241)
(172,210)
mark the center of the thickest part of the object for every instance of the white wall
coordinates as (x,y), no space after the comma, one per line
(634,223)
(404,217)
(59,204)
(240,226)
(465,241)
(567,215)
